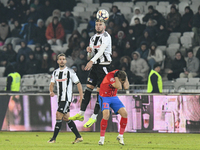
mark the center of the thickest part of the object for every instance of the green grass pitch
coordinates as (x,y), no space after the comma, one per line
(133,141)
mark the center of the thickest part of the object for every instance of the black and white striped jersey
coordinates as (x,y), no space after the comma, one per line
(96,41)
(64,80)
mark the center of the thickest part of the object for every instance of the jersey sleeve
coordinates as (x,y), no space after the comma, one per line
(111,78)
(74,78)
(106,39)
(53,77)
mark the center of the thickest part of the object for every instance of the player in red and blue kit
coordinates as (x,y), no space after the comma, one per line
(112,82)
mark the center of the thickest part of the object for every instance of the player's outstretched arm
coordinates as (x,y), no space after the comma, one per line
(51,89)
(80,90)
(126,84)
(117,84)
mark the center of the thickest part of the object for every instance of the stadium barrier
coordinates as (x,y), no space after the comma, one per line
(146,112)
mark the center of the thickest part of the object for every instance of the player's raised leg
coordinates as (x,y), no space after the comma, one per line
(87,96)
(93,118)
(123,122)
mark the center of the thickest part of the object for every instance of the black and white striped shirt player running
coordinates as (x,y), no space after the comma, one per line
(100,52)
(64,77)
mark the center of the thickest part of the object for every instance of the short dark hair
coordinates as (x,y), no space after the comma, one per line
(190,51)
(62,54)
(137,19)
(122,75)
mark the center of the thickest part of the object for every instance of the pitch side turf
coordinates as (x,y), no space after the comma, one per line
(133,141)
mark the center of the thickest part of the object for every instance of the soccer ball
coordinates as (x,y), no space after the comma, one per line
(102,15)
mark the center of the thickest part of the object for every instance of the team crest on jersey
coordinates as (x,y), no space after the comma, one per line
(90,80)
(112,80)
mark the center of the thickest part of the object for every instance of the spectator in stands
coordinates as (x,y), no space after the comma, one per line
(32,64)
(28,31)
(15,34)
(47,9)
(144,38)
(159,18)
(53,63)
(192,68)
(44,64)
(82,74)
(131,38)
(110,31)
(162,36)
(115,60)
(125,61)
(39,36)
(91,23)
(139,68)
(23,11)
(117,16)
(74,40)
(76,52)
(173,20)
(154,84)
(186,21)
(4,31)
(125,68)
(38,52)
(196,28)
(138,28)
(125,27)
(33,13)
(13,80)
(120,41)
(24,50)
(85,37)
(55,13)
(47,50)
(111,24)
(3,11)
(55,32)
(128,49)
(138,15)
(21,65)
(149,15)
(143,50)
(10,54)
(151,28)
(68,22)
(81,59)
(3,57)
(155,55)
(38,6)
(177,66)
(11,11)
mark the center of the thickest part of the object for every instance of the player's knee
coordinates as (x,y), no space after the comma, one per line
(106,114)
(90,86)
(59,115)
(125,114)
(65,118)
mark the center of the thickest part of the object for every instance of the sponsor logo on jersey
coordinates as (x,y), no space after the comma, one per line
(96,46)
(60,80)
(112,80)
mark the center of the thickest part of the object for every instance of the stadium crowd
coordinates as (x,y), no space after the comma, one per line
(134,43)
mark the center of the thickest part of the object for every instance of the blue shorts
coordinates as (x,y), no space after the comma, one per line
(113,102)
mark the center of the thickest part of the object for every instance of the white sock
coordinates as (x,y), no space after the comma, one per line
(102,138)
(120,135)
(94,116)
(82,113)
